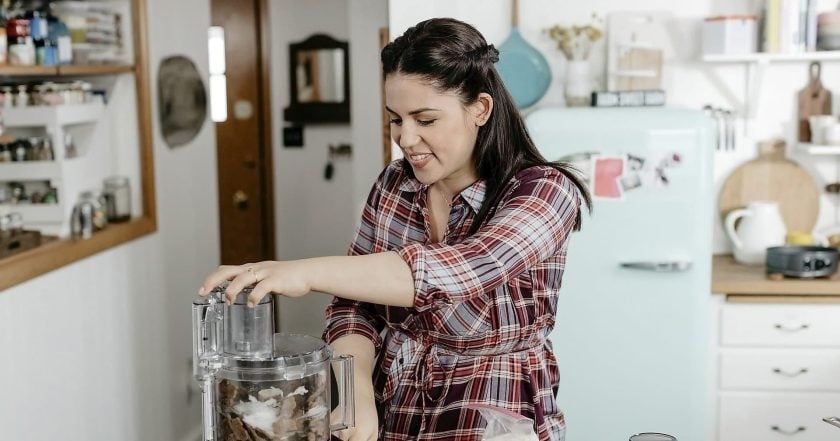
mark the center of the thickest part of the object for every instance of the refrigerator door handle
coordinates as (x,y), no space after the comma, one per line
(670,266)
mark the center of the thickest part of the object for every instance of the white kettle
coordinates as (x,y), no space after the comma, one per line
(762,227)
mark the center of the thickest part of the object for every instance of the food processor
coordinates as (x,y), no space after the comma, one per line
(258,385)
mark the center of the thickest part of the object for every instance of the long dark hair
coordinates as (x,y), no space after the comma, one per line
(454,56)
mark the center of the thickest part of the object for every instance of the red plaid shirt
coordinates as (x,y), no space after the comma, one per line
(484,306)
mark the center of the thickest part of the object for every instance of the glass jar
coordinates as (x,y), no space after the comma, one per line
(117,193)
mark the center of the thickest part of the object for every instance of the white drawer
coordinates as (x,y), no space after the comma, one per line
(778,417)
(798,370)
(780,325)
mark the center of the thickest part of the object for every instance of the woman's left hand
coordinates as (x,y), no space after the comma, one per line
(288,278)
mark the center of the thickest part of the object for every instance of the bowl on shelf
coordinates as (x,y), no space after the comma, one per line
(828,42)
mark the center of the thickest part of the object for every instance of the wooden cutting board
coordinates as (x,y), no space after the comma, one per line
(813,99)
(772,177)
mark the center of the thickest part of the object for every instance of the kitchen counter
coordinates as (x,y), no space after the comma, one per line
(734,279)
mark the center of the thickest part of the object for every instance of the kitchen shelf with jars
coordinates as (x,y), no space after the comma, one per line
(799,33)
(76,109)
(47,161)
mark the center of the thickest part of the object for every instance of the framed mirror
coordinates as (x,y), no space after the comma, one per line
(319,81)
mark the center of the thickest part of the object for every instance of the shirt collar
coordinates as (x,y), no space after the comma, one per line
(473,195)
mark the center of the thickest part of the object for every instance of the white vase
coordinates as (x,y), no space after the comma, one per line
(578,87)
(762,227)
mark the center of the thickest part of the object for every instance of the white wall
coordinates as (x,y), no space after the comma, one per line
(687,84)
(316,217)
(99,350)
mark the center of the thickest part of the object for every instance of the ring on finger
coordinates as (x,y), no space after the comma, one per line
(254,273)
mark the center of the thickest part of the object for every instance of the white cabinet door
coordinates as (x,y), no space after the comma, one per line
(777,417)
(780,325)
(781,370)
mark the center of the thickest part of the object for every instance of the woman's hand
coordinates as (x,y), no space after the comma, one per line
(289,278)
(367,420)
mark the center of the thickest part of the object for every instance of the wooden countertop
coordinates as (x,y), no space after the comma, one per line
(733,278)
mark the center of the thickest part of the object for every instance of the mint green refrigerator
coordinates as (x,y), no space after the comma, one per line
(633,312)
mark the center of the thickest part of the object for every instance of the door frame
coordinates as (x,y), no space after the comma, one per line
(267,135)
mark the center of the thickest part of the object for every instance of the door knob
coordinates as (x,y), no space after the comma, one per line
(240,199)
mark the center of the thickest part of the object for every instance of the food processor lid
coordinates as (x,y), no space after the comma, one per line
(217,295)
(291,352)
(295,345)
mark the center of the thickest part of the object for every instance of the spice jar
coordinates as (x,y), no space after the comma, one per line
(22,98)
(8,97)
(117,195)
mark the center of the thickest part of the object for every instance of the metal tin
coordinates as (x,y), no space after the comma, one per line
(802,261)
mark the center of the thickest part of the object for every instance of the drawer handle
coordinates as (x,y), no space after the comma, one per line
(834,421)
(787,432)
(784,328)
(790,374)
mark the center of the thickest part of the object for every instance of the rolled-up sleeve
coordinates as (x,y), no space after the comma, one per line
(531,224)
(352,317)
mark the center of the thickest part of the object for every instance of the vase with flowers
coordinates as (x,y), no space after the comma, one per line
(576,44)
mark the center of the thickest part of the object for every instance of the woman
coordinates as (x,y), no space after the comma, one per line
(459,255)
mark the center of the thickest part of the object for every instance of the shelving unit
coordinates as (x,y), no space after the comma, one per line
(762,57)
(66,70)
(57,253)
(69,176)
(755,65)
(816,149)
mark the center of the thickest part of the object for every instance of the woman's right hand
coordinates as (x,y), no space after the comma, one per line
(367,420)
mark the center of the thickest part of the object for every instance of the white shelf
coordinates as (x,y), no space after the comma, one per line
(29,170)
(755,65)
(763,57)
(816,149)
(63,115)
(35,213)
(69,176)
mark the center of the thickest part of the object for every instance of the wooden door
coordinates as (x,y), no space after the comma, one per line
(244,140)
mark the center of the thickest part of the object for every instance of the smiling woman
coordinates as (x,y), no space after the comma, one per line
(458,258)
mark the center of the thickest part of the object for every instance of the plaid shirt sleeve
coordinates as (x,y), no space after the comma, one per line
(352,317)
(530,225)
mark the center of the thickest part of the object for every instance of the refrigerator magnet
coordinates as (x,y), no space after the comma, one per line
(670,160)
(606,174)
(582,162)
(630,181)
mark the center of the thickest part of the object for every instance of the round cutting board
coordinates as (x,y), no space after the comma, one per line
(772,177)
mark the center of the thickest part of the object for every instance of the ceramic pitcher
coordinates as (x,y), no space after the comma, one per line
(761,227)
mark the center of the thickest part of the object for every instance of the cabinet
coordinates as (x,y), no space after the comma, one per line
(778,371)
(68,175)
(130,131)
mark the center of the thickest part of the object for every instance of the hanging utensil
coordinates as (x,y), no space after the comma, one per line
(729,116)
(522,67)
(712,113)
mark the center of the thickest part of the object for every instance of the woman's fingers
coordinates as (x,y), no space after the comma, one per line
(244,278)
(343,435)
(258,292)
(224,272)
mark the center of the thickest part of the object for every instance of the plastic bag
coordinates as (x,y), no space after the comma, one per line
(504,425)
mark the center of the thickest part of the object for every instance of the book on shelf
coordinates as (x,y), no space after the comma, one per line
(788,26)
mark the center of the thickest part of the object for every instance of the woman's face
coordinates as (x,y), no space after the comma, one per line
(435,131)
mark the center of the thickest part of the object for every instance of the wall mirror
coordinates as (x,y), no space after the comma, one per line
(319,81)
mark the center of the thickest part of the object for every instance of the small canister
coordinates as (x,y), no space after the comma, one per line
(729,35)
(652,436)
(117,194)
